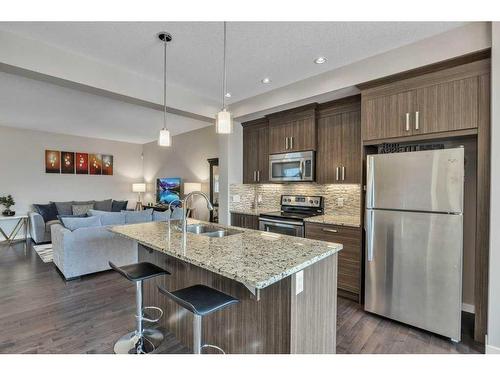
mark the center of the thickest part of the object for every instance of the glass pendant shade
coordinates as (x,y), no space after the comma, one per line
(224,122)
(164,139)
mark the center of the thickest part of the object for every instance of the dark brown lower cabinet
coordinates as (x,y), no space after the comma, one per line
(349,258)
(245,221)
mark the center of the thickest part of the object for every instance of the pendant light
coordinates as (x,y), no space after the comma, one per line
(164,138)
(224,119)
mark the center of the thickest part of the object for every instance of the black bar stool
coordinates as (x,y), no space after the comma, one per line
(142,340)
(201,300)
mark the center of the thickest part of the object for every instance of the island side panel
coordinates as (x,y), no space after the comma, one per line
(250,326)
(314,310)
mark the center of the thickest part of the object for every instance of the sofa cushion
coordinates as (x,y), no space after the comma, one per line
(48,224)
(73,223)
(64,208)
(104,205)
(48,211)
(82,209)
(133,217)
(118,206)
(109,218)
(161,216)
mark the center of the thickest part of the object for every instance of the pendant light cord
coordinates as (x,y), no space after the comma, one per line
(224,75)
(165,83)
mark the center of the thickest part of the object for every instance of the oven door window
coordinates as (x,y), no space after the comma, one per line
(286,169)
(286,229)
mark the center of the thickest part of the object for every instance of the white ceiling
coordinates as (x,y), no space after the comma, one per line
(30,104)
(283,51)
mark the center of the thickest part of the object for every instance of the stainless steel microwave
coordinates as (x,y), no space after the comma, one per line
(294,166)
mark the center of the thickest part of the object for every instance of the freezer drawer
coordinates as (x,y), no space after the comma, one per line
(414,269)
(416,181)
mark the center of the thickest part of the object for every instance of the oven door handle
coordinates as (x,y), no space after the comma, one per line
(280,223)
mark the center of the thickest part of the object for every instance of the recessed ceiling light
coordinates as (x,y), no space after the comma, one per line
(228,95)
(266,80)
(320,60)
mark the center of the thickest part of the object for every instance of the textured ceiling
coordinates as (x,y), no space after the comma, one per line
(283,51)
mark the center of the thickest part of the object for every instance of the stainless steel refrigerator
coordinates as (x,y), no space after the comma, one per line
(414,238)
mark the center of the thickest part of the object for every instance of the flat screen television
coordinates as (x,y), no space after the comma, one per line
(168,189)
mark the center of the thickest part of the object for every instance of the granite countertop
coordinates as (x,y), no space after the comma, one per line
(348,221)
(254,258)
(252,211)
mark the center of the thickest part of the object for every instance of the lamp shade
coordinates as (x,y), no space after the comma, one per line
(189,187)
(224,122)
(164,139)
(139,187)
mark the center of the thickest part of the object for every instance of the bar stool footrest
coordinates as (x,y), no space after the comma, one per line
(213,347)
(150,319)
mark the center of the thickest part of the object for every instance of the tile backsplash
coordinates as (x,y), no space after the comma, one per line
(270,196)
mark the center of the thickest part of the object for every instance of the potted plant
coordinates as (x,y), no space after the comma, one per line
(7,202)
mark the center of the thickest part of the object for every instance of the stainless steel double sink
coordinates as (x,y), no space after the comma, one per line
(211,230)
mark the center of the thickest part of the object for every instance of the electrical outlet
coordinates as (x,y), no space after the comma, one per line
(340,202)
(236,198)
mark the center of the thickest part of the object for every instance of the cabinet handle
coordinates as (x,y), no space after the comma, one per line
(408,121)
(416,120)
(329,230)
(343,173)
(291,143)
(337,173)
(254,176)
(258,176)
(286,143)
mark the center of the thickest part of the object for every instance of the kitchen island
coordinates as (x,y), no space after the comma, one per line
(287,286)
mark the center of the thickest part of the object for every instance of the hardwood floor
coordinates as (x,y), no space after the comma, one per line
(41,313)
(364,333)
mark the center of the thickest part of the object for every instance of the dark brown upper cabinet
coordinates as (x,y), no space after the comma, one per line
(293,130)
(255,151)
(441,101)
(338,157)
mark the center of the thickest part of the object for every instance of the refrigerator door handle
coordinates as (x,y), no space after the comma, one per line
(369,235)
(370,185)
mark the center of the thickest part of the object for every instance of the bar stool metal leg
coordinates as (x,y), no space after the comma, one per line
(197,333)
(142,340)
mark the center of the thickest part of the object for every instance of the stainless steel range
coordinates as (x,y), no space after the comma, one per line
(290,219)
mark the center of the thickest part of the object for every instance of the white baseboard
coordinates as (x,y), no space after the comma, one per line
(490,349)
(468,308)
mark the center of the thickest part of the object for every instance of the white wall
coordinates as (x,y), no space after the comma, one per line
(22,169)
(187,159)
(231,168)
(493,342)
(22,166)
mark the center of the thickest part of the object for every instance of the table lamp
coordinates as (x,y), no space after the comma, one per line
(139,188)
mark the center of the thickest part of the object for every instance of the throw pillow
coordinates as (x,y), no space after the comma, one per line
(73,223)
(82,209)
(64,208)
(48,211)
(133,217)
(104,205)
(109,218)
(118,206)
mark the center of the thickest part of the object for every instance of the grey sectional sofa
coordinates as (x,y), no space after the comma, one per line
(40,231)
(89,249)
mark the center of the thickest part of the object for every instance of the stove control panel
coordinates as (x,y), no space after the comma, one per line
(302,201)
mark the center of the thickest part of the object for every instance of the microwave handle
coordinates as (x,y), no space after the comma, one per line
(301,168)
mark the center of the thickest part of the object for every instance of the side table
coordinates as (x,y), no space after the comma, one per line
(21,221)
